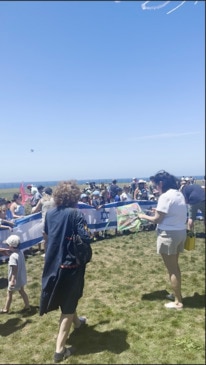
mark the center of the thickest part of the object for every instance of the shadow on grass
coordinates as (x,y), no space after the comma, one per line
(200,235)
(12,325)
(3,283)
(195,301)
(155,295)
(28,313)
(88,340)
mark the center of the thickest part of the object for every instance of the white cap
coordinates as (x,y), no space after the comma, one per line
(13,240)
(142,181)
(83,196)
(96,192)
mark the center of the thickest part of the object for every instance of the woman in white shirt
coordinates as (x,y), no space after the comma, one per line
(170,216)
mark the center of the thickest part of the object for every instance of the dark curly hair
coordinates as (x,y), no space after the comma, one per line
(67,194)
(168,181)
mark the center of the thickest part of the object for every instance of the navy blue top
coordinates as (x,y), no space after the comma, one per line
(113,190)
(60,223)
(193,193)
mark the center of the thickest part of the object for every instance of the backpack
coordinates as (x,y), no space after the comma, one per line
(82,250)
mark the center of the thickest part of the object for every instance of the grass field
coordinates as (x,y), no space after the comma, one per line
(124,295)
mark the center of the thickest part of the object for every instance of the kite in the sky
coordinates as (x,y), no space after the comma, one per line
(31,150)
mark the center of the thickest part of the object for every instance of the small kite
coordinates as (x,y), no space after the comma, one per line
(31,150)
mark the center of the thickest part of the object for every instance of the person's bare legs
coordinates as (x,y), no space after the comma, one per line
(24,297)
(8,301)
(171,263)
(64,328)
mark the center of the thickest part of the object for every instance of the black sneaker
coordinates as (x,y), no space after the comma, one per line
(59,356)
(170,296)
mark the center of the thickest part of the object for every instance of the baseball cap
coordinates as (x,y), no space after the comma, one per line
(40,187)
(48,191)
(13,240)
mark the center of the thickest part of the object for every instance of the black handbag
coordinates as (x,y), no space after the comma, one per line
(82,250)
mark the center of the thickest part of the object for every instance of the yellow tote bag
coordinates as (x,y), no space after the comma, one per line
(190,241)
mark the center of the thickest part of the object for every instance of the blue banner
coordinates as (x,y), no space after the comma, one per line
(29,228)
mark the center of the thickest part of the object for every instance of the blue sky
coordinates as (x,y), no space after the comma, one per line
(101,89)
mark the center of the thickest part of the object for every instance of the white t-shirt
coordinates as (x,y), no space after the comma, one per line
(125,197)
(34,190)
(172,203)
(17,259)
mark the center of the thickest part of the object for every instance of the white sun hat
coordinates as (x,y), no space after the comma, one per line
(13,240)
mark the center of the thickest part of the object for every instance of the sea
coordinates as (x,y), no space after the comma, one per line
(14,185)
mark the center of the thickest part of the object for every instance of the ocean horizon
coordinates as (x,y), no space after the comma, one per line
(13,185)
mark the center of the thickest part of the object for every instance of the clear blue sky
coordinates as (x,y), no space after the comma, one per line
(101,89)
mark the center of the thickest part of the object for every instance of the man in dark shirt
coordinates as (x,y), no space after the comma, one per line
(133,186)
(195,198)
(113,190)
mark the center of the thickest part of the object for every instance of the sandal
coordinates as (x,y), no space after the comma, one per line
(4,311)
(173,305)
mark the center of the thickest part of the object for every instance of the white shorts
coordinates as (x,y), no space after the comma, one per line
(170,242)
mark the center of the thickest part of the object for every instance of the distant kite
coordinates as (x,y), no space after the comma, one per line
(31,150)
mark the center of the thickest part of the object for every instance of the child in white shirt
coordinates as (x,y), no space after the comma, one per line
(17,277)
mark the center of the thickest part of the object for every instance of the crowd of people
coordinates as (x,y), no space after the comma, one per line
(63,278)
(136,190)
(40,198)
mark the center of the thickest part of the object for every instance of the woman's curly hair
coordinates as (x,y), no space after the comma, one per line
(67,194)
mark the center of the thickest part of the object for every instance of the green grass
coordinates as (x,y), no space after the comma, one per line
(124,295)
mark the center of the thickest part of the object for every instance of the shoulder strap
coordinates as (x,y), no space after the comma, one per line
(74,214)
